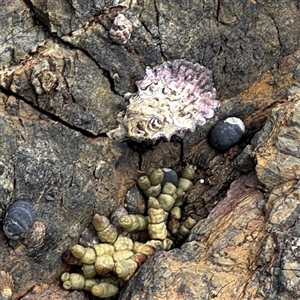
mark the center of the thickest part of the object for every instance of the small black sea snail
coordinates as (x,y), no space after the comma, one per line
(18,220)
(226,134)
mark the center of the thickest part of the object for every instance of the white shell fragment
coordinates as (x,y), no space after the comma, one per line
(121,29)
(172,98)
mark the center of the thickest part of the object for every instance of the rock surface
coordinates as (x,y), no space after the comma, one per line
(62,83)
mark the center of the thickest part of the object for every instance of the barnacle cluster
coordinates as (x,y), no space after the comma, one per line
(121,29)
(108,265)
(172,98)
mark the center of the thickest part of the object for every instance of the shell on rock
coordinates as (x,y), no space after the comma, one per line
(172,98)
(18,220)
(6,285)
(121,29)
(36,234)
(226,134)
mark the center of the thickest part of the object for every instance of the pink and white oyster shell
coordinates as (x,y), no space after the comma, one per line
(172,98)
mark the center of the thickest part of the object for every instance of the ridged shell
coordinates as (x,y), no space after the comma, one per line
(6,285)
(121,30)
(36,234)
(18,220)
(173,98)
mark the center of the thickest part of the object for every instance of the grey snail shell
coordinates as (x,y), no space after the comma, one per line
(18,220)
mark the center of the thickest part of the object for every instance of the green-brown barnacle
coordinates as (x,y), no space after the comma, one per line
(156,215)
(133,222)
(186,227)
(153,203)
(146,248)
(166,201)
(158,231)
(184,184)
(173,226)
(88,271)
(89,283)
(167,244)
(104,264)
(155,244)
(104,290)
(104,249)
(188,172)
(169,188)
(100,222)
(157,176)
(108,235)
(153,191)
(149,171)
(123,243)
(121,255)
(140,258)
(144,182)
(86,255)
(125,268)
(72,281)
(176,213)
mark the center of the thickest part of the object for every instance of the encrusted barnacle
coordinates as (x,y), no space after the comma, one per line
(6,285)
(106,232)
(133,222)
(121,255)
(226,134)
(86,255)
(169,188)
(144,248)
(184,184)
(72,281)
(121,29)
(123,243)
(18,220)
(172,98)
(89,283)
(88,271)
(156,176)
(188,172)
(166,201)
(104,264)
(125,268)
(104,249)
(36,234)
(158,231)
(104,290)
(153,191)
(186,227)
(144,182)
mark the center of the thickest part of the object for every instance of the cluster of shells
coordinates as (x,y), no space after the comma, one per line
(172,98)
(108,265)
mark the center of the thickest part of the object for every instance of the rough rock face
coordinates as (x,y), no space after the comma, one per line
(62,83)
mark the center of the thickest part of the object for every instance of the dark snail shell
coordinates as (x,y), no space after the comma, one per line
(18,220)
(226,134)
(170,176)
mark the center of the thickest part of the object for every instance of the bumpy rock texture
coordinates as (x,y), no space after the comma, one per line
(62,83)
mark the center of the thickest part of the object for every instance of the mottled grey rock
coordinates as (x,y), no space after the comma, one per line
(18,32)
(68,85)
(53,167)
